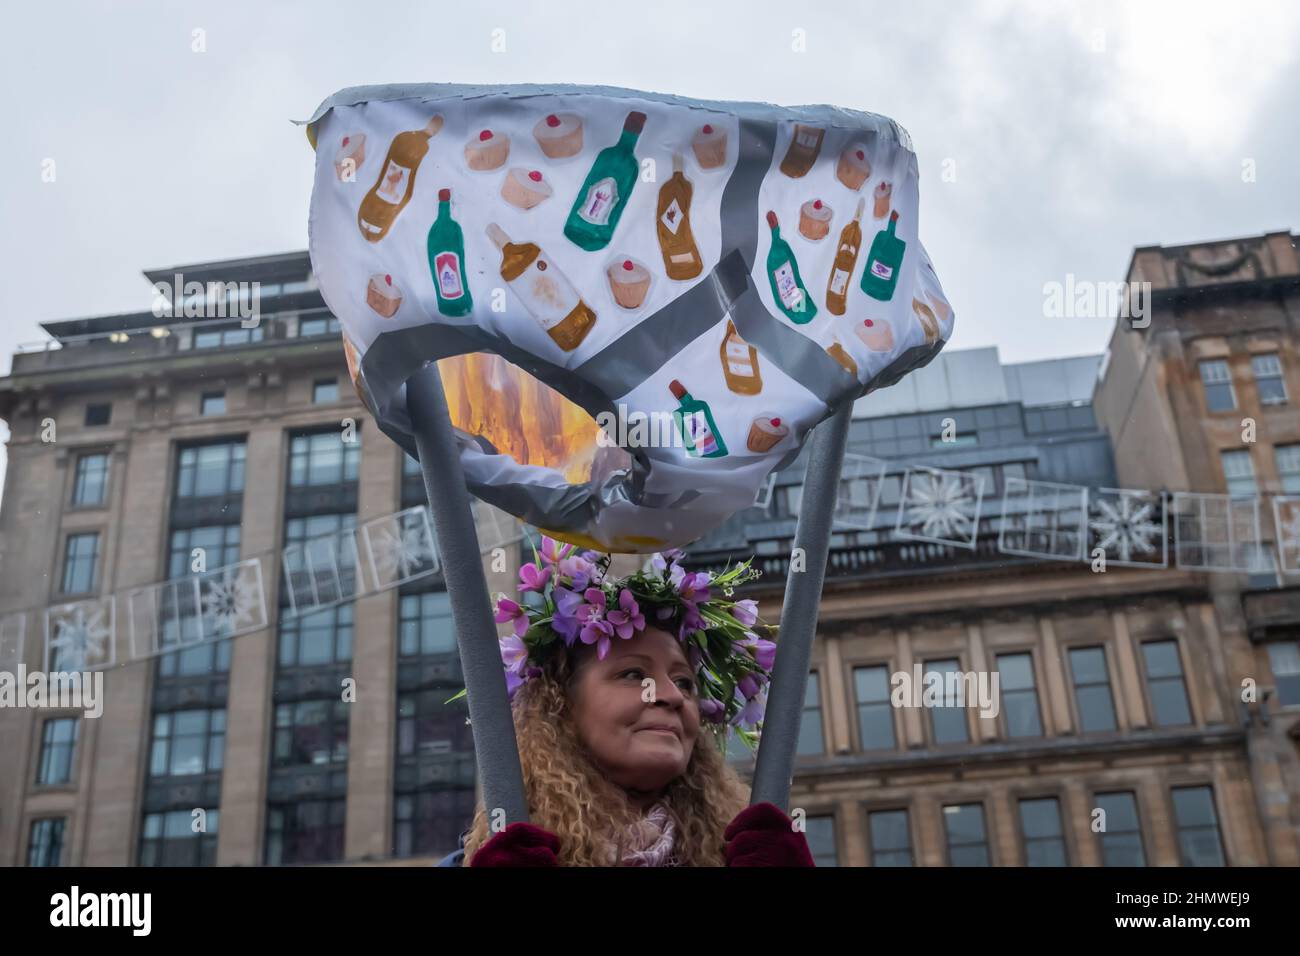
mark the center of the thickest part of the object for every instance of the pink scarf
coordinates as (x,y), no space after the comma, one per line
(650,842)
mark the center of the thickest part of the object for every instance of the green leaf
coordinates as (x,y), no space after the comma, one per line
(463,692)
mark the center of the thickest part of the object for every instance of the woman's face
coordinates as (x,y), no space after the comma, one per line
(641,732)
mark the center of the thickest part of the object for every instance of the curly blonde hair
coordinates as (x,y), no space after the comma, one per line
(571,798)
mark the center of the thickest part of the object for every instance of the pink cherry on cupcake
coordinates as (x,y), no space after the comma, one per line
(552,121)
(817,204)
(627,264)
(776,423)
(708,129)
(484,136)
(868,323)
(346,140)
(535,176)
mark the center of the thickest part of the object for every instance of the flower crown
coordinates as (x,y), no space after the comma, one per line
(567,598)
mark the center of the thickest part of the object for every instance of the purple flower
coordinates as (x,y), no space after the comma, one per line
(553,552)
(596,630)
(746,612)
(751,712)
(628,619)
(513,683)
(764,652)
(514,653)
(533,578)
(749,686)
(712,710)
(663,559)
(694,587)
(508,610)
(578,570)
(565,620)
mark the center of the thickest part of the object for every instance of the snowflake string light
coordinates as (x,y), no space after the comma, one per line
(941,505)
(228,598)
(81,634)
(401,552)
(1124,525)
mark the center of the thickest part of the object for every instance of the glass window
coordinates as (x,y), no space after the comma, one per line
(180,838)
(1198,827)
(1164,672)
(321,637)
(91,482)
(1019,695)
(967,842)
(957,440)
(1040,825)
(426,625)
(891,838)
(429,822)
(205,470)
(217,337)
(322,458)
(820,834)
(875,714)
(308,831)
(324,391)
(1238,471)
(212,403)
(810,724)
(427,724)
(948,720)
(98,414)
(187,742)
(1217,381)
(45,843)
(219,546)
(1092,689)
(80,562)
(1121,839)
(1284,656)
(323,326)
(1268,379)
(1288,467)
(310,733)
(58,744)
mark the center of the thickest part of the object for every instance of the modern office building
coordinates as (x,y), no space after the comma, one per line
(1120,735)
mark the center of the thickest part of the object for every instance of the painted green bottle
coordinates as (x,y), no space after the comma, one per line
(788,290)
(880,276)
(605,192)
(446,248)
(695,422)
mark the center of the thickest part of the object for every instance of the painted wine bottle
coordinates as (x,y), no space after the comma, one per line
(446,248)
(605,192)
(880,277)
(695,422)
(788,290)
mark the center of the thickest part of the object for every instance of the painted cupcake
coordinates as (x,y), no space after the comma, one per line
(814,220)
(883,194)
(854,168)
(765,432)
(629,282)
(876,335)
(525,188)
(382,296)
(486,151)
(710,146)
(559,135)
(351,154)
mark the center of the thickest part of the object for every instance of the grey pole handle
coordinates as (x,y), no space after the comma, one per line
(803,590)
(495,748)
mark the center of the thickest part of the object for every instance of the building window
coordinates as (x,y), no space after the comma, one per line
(309,327)
(1288,467)
(875,714)
(820,834)
(1268,379)
(323,458)
(58,744)
(227,335)
(427,724)
(1284,656)
(212,403)
(891,838)
(1019,695)
(1092,689)
(206,657)
(310,732)
(958,440)
(810,724)
(1198,827)
(948,720)
(187,742)
(309,831)
(426,625)
(80,562)
(321,637)
(1040,826)
(788,499)
(45,843)
(1238,471)
(169,839)
(218,546)
(967,841)
(429,822)
(1121,840)
(1165,683)
(324,391)
(91,483)
(206,470)
(98,414)
(1217,381)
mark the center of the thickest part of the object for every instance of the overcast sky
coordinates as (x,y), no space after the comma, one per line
(1075,131)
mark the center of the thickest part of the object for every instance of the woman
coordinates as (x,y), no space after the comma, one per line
(623,693)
